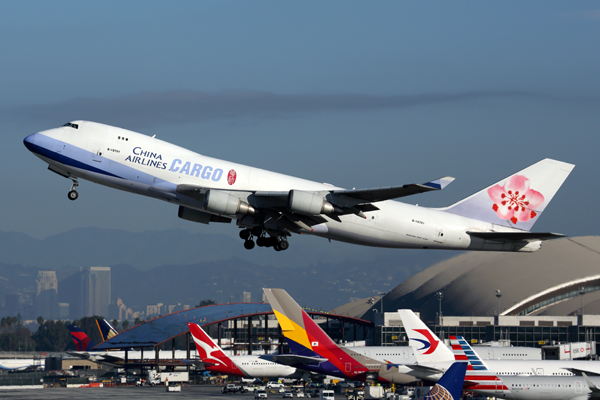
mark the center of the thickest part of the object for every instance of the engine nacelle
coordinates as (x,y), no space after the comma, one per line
(220,202)
(308,203)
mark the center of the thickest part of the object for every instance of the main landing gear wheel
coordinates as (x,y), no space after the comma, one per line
(281,245)
(245,234)
(249,244)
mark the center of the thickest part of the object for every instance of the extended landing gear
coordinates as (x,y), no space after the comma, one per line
(73,195)
(277,243)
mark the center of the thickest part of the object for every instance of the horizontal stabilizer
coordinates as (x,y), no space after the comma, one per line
(516,236)
(425,369)
(394,192)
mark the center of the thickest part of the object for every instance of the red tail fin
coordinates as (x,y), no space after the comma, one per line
(211,353)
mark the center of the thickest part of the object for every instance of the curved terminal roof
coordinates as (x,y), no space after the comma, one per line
(545,282)
(162,329)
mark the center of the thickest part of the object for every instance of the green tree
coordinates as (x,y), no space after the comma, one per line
(40,320)
(206,302)
(115,324)
(125,325)
(138,321)
(53,336)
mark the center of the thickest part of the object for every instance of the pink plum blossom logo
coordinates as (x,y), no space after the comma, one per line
(515,201)
(231,177)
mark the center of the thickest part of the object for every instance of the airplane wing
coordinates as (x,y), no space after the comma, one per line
(394,192)
(294,359)
(595,389)
(581,372)
(516,236)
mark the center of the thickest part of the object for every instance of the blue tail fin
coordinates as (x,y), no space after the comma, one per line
(450,385)
(106,329)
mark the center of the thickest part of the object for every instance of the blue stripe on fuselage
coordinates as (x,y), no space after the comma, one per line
(60,158)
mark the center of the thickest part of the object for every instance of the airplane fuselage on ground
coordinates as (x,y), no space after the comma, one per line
(266,203)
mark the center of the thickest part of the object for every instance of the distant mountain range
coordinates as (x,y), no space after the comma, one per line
(175,266)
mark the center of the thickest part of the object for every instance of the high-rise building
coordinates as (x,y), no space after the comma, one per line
(95,285)
(246,297)
(46,298)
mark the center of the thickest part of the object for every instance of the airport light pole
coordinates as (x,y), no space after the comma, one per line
(582,292)
(440,295)
(498,295)
(381,294)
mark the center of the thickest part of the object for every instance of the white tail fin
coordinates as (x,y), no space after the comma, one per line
(428,347)
(518,200)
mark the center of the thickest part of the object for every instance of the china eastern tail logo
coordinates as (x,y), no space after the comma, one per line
(430,344)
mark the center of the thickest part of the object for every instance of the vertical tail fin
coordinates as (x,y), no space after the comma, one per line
(306,338)
(106,330)
(82,341)
(450,385)
(478,374)
(428,347)
(211,353)
(518,200)
(302,333)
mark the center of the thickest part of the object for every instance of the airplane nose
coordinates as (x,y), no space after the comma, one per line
(29,141)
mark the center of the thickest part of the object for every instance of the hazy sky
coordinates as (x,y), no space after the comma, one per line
(357,94)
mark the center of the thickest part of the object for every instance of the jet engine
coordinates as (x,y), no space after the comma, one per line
(223,203)
(308,203)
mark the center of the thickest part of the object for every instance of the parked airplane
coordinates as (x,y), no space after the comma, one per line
(480,379)
(433,359)
(85,345)
(386,363)
(21,364)
(249,366)
(271,206)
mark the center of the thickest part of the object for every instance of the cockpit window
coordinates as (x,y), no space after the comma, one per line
(72,125)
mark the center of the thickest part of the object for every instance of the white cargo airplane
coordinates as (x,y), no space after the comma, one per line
(271,206)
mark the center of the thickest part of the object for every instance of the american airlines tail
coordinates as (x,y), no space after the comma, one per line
(518,200)
(82,341)
(428,347)
(478,377)
(450,385)
(211,354)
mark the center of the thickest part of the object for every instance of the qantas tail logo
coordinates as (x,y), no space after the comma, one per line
(430,344)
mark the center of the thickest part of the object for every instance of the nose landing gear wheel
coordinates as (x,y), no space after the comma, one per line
(73,195)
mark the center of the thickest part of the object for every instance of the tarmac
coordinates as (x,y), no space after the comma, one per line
(210,392)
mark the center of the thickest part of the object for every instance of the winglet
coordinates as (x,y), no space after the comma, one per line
(439,184)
